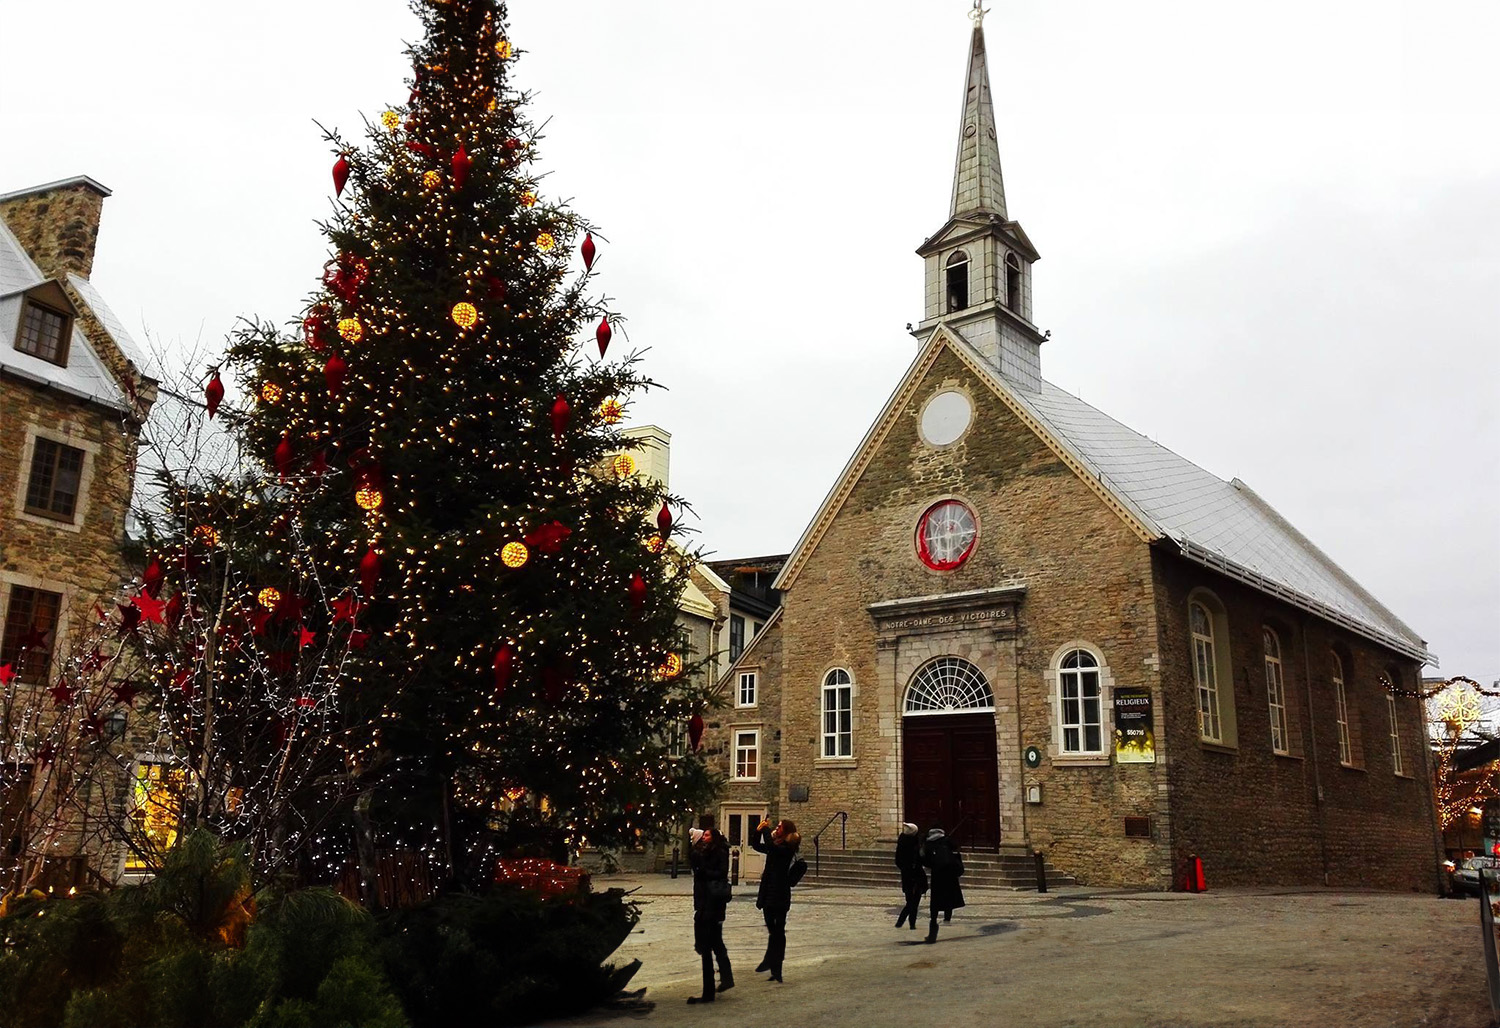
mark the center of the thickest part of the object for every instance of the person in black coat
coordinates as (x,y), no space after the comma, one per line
(709,857)
(942,856)
(913,878)
(775,896)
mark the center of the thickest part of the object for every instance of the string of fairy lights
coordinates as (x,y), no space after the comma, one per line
(441,539)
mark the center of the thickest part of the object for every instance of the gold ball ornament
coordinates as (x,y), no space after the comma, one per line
(528,200)
(369,498)
(671,667)
(270,392)
(656,544)
(351,330)
(269,597)
(514,554)
(504,49)
(431,179)
(624,465)
(545,242)
(465,315)
(611,411)
(207,534)
(390,119)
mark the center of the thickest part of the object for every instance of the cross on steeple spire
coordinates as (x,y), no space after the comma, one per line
(977,183)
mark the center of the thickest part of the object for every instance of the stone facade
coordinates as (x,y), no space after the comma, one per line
(76,556)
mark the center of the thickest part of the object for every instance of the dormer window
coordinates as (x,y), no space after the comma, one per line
(1013,282)
(958,281)
(44,333)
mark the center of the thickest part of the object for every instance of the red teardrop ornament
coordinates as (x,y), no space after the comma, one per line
(637,592)
(664,520)
(340,175)
(151,580)
(174,611)
(604,334)
(560,412)
(369,572)
(461,165)
(213,395)
(284,455)
(695,731)
(333,374)
(505,658)
(588,251)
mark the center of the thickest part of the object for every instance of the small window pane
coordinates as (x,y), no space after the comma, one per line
(43,334)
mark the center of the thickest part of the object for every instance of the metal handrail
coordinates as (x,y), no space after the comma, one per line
(843,817)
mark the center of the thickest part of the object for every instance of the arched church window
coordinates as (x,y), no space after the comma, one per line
(948,685)
(958,281)
(1080,700)
(1013,282)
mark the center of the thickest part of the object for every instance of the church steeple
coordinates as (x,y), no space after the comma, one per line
(977,182)
(978,265)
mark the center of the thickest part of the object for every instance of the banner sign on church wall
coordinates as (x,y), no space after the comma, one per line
(1135,738)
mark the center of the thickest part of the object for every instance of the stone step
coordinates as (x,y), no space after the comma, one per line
(874,869)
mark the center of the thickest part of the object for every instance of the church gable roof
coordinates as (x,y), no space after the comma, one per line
(1160,495)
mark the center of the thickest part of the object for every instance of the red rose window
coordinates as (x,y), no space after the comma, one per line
(946,534)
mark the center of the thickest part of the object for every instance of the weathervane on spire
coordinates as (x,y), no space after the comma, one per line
(978,13)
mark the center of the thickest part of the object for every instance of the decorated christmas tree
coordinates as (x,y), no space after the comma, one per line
(437,548)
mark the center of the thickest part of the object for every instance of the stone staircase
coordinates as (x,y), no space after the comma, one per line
(875,869)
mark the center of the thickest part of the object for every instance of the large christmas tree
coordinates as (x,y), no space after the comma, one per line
(456,552)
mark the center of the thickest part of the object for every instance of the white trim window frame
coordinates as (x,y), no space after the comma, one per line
(1341,709)
(837,716)
(1080,704)
(746,689)
(1275,692)
(1396,762)
(746,754)
(1206,673)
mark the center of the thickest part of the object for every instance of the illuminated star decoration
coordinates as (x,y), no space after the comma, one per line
(1459,709)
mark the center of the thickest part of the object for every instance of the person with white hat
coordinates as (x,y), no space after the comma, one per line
(913,876)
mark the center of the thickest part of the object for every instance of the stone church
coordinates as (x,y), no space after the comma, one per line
(1017,618)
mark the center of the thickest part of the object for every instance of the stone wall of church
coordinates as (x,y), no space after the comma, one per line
(1086,576)
(1253,815)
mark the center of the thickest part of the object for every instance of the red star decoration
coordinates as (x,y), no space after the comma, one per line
(149,606)
(345,609)
(61,694)
(184,682)
(129,617)
(126,692)
(258,621)
(7,674)
(306,701)
(357,640)
(46,753)
(548,538)
(174,611)
(305,638)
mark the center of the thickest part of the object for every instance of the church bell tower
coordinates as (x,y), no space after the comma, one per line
(978,265)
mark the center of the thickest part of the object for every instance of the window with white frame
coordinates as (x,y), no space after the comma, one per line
(676,741)
(1341,708)
(838,714)
(1275,691)
(1205,670)
(747,754)
(1080,703)
(745,693)
(1390,705)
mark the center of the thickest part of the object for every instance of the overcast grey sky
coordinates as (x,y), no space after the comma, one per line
(1269,230)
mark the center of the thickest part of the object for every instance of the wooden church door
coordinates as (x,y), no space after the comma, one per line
(952,778)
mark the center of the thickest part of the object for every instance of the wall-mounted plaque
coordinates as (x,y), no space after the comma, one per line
(1033,757)
(797,793)
(1135,737)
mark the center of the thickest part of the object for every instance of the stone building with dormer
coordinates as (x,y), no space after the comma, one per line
(74,391)
(1017,618)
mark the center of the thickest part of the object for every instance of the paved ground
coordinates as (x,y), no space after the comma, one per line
(1073,957)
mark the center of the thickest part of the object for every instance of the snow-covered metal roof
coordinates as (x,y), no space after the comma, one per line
(85,377)
(1221,524)
(114,326)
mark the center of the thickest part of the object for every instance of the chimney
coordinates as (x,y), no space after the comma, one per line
(57,224)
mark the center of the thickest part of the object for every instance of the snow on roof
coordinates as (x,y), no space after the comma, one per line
(114,326)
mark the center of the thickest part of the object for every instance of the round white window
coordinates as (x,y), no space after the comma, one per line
(946,534)
(946,417)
